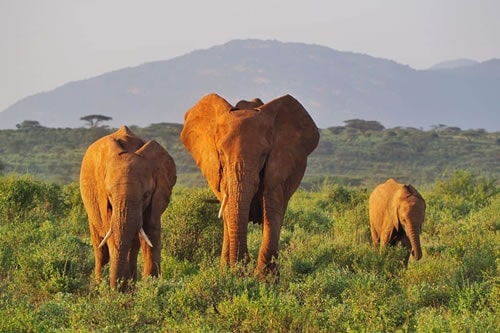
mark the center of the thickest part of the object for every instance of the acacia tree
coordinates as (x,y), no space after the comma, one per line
(93,120)
(364,125)
(28,124)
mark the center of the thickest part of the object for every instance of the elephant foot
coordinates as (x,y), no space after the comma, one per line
(239,269)
(267,272)
(125,285)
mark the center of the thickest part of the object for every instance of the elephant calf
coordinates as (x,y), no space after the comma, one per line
(397,213)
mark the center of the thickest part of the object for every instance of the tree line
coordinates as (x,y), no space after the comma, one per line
(360,152)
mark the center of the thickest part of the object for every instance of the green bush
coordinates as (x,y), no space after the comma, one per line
(263,312)
(191,229)
(309,211)
(373,302)
(76,215)
(24,197)
(48,262)
(462,193)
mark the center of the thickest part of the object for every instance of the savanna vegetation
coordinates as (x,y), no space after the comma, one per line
(331,277)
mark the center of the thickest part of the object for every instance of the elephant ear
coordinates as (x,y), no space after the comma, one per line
(164,173)
(198,136)
(93,171)
(402,194)
(415,193)
(295,136)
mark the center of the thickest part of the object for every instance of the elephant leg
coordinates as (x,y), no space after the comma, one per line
(151,258)
(224,260)
(405,242)
(101,255)
(271,228)
(151,255)
(385,238)
(375,236)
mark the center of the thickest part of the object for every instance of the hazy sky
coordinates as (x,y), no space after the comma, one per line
(46,43)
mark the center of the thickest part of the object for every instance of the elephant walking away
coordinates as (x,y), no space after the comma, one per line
(397,212)
(126,185)
(253,156)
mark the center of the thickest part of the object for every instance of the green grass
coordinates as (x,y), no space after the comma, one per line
(331,278)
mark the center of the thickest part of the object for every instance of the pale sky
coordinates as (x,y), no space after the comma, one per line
(47,43)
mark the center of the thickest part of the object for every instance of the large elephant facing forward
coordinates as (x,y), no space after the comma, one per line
(397,212)
(126,185)
(253,156)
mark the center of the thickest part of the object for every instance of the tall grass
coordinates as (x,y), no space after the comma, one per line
(332,279)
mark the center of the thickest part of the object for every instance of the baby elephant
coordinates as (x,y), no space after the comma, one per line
(126,184)
(397,213)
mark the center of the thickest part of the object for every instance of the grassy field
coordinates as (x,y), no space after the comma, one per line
(332,280)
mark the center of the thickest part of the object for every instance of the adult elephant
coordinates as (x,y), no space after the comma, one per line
(397,212)
(253,156)
(125,185)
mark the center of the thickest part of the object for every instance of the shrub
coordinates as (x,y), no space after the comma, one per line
(472,298)
(191,229)
(55,263)
(311,219)
(17,316)
(304,254)
(374,302)
(430,281)
(462,193)
(24,197)
(432,320)
(352,226)
(309,211)
(263,312)
(76,215)
(342,198)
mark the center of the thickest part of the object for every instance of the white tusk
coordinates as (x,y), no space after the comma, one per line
(222,206)
(146,238)
(105,238)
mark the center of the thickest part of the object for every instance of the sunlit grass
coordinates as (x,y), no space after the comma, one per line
(331,277)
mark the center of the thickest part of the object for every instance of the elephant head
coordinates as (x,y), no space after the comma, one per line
(126,185)
(397,212)
(409,208)
(253,156)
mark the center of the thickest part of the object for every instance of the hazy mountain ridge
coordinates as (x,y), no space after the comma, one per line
(456,63)
(334,86)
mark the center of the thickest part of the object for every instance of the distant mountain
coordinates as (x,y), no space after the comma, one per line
(457,63)
(333,86)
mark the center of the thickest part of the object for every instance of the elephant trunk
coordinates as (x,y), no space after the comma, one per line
(236,215)
(125,227)
(416,250)
(119,269)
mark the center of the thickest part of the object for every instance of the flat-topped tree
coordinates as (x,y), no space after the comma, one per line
(93,120)
(364,125)
(28,124)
